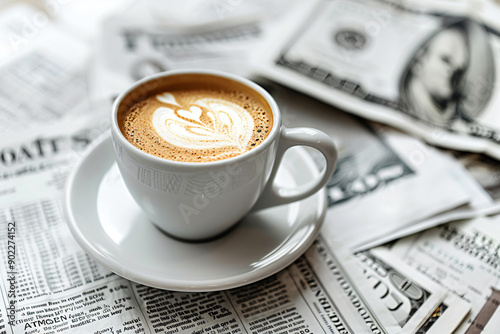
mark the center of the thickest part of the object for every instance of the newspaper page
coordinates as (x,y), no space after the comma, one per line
(150,37)
(37,62)
(427,68)
(377,167)
(462,257)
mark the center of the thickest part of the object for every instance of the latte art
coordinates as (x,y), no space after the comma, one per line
(191,123)
(209,123)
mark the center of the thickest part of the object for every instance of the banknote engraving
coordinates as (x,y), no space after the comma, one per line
(364,169)
(418,70)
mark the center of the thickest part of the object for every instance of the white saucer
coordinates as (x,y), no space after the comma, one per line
(109,226)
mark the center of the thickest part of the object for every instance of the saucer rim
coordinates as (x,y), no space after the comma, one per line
(109,261)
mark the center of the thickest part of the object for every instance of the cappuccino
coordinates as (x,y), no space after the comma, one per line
(198,119)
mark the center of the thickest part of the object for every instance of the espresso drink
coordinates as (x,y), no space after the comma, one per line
(196,119)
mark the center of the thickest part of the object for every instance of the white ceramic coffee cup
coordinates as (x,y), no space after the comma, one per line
(200,200)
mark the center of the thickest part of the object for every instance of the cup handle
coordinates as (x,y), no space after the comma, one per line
(273,195)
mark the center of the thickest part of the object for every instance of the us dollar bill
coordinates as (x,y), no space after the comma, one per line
(376,167)
(484,169)
(463,257)
(429,71)
(380,296)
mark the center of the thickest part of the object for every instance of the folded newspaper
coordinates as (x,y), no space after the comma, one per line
(149,37)
(430,69)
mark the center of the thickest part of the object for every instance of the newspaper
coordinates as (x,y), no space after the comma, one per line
(462,257)
(427,68)
(149,37)
(376,168)
(34,71)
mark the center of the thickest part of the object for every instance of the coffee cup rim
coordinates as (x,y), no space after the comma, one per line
(191,164)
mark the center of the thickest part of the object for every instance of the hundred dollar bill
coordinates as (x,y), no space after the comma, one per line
(464,258)
(368,196)
(410,299)
(429,71)
(484,169)
(383,297)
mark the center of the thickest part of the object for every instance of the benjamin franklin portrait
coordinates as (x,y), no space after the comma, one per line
(451,75)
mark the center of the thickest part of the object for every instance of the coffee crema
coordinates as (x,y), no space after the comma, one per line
(197,124)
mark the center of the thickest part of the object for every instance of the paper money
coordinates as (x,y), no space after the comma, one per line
(387,297)
(463,257)
(369,201)
(431,72)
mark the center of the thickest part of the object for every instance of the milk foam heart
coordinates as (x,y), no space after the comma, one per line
(209,123)
(197,124)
